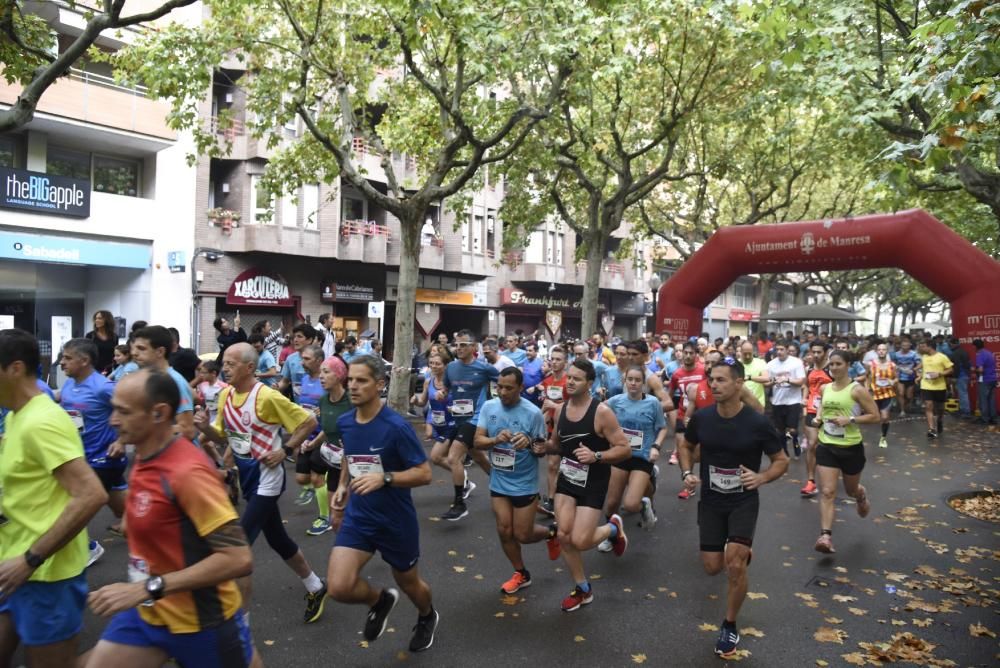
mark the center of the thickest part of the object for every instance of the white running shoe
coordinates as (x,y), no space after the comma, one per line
(96,553)
(605,546)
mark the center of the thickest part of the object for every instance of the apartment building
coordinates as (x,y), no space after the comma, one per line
(96,202)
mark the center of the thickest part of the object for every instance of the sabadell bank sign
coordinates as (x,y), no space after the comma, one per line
(44,193)
(258,288)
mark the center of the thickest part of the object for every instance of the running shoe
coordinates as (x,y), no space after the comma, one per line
(468,461)
(684,494)
(516,583)
(314,604)
(653,478)
(673,458)
(468,488)
(620,542)
(882,443)
(96,552)
(729,638)
(796,449)
(809,489)
(824,544)
(931,433)
(548,506)
(648,515)
(305,497)
(378,614)
(554,547)
(320,526)
(864,505)
(605,546)
(423,632)
(577,598)
(456,512)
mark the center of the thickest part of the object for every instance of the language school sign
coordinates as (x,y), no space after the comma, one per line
(44,193)
(258,288)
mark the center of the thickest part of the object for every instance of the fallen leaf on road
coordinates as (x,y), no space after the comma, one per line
(895,577)
(434,519)
(470,556)
(268,642)
(713,597)
(707,627)
(458,569)
(638,658)
(854,658)
(452,553)
(595,576)
(857,611)
(821,663)
(738,655)
(626,590)
(840,569)
(751,631)
(500,614)
(673,594)
(363,644)
(478,576)
(832,620)
(898,622)
(840,598)
(754,595)
(663,589)
(980,631)
(923,623)
(578,638)
(826,634)
(510,600)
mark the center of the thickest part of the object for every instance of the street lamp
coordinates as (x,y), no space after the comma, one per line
(654,285)
(212,255)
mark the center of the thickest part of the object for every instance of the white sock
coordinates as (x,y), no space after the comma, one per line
(312,583)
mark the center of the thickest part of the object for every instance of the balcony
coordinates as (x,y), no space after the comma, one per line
(263,238)
(243,146)
(479,264)
(432,255)
(96,99)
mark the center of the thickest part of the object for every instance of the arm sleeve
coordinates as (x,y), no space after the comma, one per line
(55,441)
(410,449)
(274,407)
(771,442)
(201,496)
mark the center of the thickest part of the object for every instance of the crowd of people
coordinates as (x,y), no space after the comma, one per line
(573,437)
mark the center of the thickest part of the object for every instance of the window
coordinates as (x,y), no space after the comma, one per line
(533,252)
(352,209)
(720,300)
(743,296)
(466,243)
(8,151)
(63,162)
(289,210)
(477,235)
(310,200)
(262,202)
(118,177)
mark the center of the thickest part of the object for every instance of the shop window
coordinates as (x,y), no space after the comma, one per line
(115,176)
(262,202)
(63,162)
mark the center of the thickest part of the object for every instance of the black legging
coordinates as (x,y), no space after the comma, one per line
(263,514)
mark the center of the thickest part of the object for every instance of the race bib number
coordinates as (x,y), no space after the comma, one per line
(493,388)
(296,389)
(462,407)
(212,404)
(331,454)
(833,429)
(931,375)
(502,457)
(907,369)
(554,393)
(77,418)
(359,465)
(240,443)
(138,571)
(724,481)
(438,418)
(883,382)
(634,438)
(782,379)
(817,400)
(574,472)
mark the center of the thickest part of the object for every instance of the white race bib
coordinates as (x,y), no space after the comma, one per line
(930,375)
(833,428)
(883,382)
(77,418)
(359,465)
(138,571)
(296,389)
(634,438)
(240,443)
(817,400)
(502,457)
(554,392)
(331,454)
(438,417)
(462,407)
(212,404)
(574,472)
(724,481)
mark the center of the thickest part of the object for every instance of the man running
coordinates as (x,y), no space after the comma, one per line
(251,416)
(467,381)
(86,398)
(533,370)
(907,363)
(374,508)
(756,370)
(49,495)
(785,376)
(513,352)
(150,347)
(691,372)
(935,367)
(310,473)
(185,543)
(883,379)
(731,437)
(588,440)
(817,377)
(511,429)
(553,392)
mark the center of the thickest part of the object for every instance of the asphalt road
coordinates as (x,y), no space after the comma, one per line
(914,565)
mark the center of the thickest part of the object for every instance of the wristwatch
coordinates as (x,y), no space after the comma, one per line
(154,587)
(852,419)
(387,479)
(33,560)
(597,456)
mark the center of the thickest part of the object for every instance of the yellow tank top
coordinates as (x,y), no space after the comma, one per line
(838,403)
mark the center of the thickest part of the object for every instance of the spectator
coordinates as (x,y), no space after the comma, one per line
(105,337)
(986,375)
(960,358)
(227,334)
(184,360)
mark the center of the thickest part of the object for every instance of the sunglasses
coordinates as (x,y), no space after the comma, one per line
(464,344)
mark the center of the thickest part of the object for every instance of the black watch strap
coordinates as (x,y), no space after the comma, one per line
(33,560)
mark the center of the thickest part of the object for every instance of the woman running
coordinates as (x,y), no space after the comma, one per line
(440,422)
(326,450)
(844,405)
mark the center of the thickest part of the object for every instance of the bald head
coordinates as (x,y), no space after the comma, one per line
(239,363)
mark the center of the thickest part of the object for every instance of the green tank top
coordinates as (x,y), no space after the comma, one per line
(838,403)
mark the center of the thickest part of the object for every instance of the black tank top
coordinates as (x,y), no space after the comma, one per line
(574,434)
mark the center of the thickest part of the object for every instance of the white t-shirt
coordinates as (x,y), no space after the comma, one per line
(502,363)
(783,393)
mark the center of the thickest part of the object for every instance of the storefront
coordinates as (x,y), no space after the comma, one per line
(349,305)
(256,295)
(557,313)
(739,322)
(628,311)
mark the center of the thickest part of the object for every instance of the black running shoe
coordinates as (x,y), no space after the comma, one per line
(423,632)
(457,511)
(314,604)
(378,615)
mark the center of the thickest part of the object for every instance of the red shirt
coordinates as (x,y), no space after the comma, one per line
(763,346)
(703,395)
(680,381)
(175,499)
(556,395)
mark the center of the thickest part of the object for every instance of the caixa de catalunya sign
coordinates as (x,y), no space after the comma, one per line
(258,288)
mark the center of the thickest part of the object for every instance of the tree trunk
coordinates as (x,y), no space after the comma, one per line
(592,284)
(765,302)
(878,314)
(406,296)
(892,322)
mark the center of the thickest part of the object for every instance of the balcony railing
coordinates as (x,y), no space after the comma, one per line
(365,228)
(361,147)
(105,82)
(513,259)
(236,128)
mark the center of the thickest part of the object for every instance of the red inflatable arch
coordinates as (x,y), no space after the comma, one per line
(914,241)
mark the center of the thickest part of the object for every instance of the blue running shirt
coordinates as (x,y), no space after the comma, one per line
(467,385)
(514,472)
(641,421)
(89,406)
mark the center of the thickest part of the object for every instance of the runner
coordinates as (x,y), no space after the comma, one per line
(328,445)
(690,372)
(588,439)
(466,382)
(756,370)
(49,495)
(553,391)
(840,448)
(512,429)
(817,377)
(439,419)
(533,369)
(731,438)
(249,422)
(267,366)
(985,368)
(185,547)
(599,389)
(907,364)
(935,367)
(86,398)
(638,352)
(641,418)
(785,376)
(374,508)
(291,378)
(150,346)
(513,353)
(310,472)
(883,380)
(615,375)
